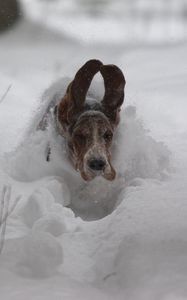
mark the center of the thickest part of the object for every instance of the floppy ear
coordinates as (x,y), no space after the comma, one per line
(114,82)
(73,101)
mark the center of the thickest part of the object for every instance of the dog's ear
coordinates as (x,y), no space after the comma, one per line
(73,102)
(114,82)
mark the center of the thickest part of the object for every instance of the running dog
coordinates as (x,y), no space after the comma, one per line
(88,125)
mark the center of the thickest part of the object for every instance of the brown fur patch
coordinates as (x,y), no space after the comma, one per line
(88,132)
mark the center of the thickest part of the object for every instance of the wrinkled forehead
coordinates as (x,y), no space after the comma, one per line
(92,120)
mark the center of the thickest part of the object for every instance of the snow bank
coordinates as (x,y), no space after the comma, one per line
(52,236)
(47,187)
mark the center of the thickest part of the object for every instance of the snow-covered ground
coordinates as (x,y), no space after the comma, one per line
(139,251)
(107,21)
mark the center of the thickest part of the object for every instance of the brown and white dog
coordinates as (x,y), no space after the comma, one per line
(88,126)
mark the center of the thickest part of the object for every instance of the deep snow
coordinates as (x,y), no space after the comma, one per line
(138,251)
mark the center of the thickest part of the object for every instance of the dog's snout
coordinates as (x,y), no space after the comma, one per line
(97,164)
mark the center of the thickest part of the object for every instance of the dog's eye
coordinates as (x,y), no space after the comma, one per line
(80,137)
(108,136)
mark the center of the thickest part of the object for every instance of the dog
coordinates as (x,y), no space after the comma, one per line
(88,126)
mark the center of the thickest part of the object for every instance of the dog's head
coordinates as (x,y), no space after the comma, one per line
(89,128)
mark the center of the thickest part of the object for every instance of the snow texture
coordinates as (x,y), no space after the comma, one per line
(67,239)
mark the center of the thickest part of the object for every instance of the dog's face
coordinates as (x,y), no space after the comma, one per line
(89,132)
(90,142)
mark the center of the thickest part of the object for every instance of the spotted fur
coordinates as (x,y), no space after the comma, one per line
(88,126)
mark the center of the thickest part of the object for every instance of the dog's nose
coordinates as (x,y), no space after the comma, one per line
(96,164)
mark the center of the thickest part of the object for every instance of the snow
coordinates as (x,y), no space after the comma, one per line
(103,22)
(125,239)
